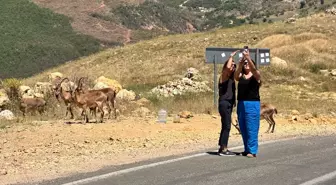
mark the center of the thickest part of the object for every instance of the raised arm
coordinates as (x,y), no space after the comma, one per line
(239,69)
(226,68)
(253,68)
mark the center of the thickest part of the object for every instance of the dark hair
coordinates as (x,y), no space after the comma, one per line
(243,71)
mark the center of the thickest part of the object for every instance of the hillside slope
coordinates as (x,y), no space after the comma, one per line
(307,46)
(34,39)
(124,21)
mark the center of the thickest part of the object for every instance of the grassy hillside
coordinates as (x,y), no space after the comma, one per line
(125,21)
(34,39)
(307,46)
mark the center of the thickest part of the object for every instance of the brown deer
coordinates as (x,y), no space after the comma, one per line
(66,95)
(89,100)
(267,112)
(32,105)
(111,96)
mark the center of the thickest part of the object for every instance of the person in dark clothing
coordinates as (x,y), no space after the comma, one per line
(248,107)
(226,102)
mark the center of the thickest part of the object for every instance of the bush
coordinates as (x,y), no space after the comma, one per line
(11,85)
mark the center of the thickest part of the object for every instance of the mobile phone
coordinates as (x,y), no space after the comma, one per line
(246,48)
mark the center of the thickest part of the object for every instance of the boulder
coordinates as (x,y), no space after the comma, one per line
(333,72)
(279,62)
(124,94)
(295,112)
(43,88)
(23,89)
(7,115)
(142,112)
(55,75)
(185,114)
(4,99)
(109,82)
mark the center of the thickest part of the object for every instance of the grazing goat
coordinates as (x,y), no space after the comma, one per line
(32,105)
(89,100)
(111,96)
(266,112)
(66,96)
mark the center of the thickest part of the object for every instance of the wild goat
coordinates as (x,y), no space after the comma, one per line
(32,105)
(66,96)
(111,96)
(89,100)
(266,112)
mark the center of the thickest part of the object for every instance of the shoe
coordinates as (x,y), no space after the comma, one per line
(244,153)
(226,153)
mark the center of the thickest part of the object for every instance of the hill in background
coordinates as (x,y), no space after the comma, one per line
(306,46)
(34,39)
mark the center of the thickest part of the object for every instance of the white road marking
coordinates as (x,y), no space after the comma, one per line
(323,178)
(107,175)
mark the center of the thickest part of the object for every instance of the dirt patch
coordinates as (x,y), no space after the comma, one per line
(80,12)
(46,150)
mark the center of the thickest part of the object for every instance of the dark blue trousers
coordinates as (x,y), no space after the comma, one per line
(225,111)
(249,121)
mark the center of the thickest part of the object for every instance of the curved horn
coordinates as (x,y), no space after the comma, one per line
(59,84)
(80,83)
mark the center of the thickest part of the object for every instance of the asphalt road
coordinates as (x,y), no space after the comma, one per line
(297,161)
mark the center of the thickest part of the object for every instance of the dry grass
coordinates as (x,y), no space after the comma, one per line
(307,46)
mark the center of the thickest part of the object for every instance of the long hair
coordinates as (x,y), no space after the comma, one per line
(243,72)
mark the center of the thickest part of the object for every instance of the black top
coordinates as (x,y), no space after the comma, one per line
(248,89)
(227,89)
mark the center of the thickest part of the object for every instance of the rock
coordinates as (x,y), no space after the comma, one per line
(291,20)
(185,114)
(3,172)
(100,85)
(23,89)
(279,62)
(126,95)
(7,114)
(333,72)
(295,112)
(193,74)
(142,112)
(214,116)
(176,119)
(182,86)
(313,121)
(109,82)
(294,118)
(55,75)
(308,116)
(302,78)
(143,102)
(331,11)
(43,88)
(38,95)
(4,99)
(325,72)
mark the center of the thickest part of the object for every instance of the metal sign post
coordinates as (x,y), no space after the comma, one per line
(215,81)
(214,55)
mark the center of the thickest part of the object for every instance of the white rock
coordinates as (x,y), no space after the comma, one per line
(7,114)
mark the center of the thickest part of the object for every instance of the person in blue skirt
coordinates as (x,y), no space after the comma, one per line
(248,106)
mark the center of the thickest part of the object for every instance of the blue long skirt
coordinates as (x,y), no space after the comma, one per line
(249,121)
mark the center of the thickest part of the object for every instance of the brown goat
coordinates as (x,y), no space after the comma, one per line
(66,96)
(89,100)
(111,96)
(267,112)
(32,105)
